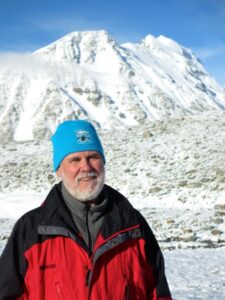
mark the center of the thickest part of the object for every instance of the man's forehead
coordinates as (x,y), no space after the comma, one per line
(84,154)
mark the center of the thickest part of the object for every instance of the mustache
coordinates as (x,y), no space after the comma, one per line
(87,175)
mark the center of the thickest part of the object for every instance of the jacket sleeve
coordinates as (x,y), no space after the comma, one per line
(13,266)
(154,255)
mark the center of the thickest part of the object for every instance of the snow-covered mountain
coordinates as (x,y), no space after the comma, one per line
(89,75)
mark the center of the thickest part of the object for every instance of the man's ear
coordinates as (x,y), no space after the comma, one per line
(58,172)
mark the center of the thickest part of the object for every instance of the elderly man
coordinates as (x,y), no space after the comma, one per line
(86,241)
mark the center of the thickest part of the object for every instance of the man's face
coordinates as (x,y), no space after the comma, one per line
(83,174)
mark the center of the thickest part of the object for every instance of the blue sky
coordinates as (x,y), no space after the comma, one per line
(27,25)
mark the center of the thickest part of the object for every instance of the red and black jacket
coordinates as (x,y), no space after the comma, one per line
(46,258)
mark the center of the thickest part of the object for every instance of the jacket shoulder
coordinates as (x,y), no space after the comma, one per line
(117,197)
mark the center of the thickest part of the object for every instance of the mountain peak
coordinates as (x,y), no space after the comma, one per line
(88,75)
(163,43)
(75,44)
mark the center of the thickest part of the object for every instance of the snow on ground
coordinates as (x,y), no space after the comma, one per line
(196,274)
(173,172)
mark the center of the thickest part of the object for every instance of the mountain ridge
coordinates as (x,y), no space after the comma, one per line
(89,75)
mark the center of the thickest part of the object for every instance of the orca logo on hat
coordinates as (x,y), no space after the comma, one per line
(83,137)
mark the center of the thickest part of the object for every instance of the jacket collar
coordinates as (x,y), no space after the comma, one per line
(119,213)
(54,211)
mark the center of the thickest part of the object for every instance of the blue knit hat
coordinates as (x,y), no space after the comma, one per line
(74,136)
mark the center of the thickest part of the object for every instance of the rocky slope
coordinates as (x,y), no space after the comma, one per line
(172,171)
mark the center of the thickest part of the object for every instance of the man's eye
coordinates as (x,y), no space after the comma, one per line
(94,157)
(74,159)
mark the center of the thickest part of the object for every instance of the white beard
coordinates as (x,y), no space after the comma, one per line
(92,192)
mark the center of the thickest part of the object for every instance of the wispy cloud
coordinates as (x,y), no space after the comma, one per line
(56,26)
(39,31)
(61,25)
(33,65)
(210,52)
(19,62)
(19,46)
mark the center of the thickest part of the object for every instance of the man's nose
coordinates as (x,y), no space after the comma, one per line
(85,165)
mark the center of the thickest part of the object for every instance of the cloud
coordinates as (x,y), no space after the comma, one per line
(213,58)
(19,46)
(8,60)
(63,25)
(33,66)
(210,52)
(60,25)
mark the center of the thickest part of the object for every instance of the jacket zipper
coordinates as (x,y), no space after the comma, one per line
(111,244)
(90,240)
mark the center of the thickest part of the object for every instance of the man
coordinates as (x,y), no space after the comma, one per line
(86,241)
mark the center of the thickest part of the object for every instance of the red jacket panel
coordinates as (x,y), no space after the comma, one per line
(45,258)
